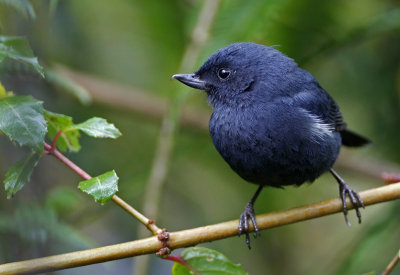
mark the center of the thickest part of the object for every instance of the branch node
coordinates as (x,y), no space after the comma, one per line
(163,252)
(194,236)
(163,237)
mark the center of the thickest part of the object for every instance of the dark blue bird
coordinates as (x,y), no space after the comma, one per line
(272,122)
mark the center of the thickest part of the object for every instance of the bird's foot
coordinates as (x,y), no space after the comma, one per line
(248,214)
(355,200)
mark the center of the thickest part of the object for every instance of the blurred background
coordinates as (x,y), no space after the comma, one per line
(123,53)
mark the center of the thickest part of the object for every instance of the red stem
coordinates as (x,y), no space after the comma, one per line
(49,150)
(52,151)
(179,259)
(54,144)
(390,177)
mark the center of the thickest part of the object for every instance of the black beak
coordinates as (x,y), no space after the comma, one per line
(192,80)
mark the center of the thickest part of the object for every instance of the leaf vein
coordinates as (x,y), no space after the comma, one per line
(20,118)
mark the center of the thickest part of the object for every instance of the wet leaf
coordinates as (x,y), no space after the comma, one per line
(17,48)
(19,174)
(67,140)
(98,127)
(102,187)
(23,122)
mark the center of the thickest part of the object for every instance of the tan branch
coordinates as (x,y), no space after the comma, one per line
(194,236)
(139,216)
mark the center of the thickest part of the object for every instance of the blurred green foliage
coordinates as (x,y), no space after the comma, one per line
(352,47)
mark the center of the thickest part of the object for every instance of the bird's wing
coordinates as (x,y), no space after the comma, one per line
(335,116)
(320,104)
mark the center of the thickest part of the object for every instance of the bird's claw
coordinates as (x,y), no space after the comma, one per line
(355,200)
(248,214)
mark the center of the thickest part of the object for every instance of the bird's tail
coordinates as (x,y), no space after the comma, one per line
(352,139)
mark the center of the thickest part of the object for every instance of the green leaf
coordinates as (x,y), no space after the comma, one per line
(4,93)
(22,121)
(17,48)
(19,174)
(102,187)
(67,140)
(98,127)
(206,261)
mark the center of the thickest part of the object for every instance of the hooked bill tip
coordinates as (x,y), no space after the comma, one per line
(178,76)
(191,80)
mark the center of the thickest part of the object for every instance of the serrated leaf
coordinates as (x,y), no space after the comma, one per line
(17,48)
(206,261)
(102,187)
(19,174)
(67,140)
(22,121)
(98,127)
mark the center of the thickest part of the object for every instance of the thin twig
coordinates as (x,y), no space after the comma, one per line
(195,236)
(165,144)
(391,265)
(79,171)
(51,150)
(144,220)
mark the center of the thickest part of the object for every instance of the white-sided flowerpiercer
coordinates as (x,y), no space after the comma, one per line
(272,122)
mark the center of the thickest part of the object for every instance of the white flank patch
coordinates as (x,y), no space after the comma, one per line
(319,128)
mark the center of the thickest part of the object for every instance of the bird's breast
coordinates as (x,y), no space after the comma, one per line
(271,148)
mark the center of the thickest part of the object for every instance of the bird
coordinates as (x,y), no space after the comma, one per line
(272,122)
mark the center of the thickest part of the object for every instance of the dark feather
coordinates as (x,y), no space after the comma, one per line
(351,139)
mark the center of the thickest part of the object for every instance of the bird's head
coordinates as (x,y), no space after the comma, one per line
(233,72)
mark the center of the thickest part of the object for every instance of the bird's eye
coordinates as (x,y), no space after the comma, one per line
(223,73)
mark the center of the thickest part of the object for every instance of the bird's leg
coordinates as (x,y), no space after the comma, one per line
(247,214)
(355,198)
